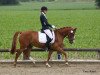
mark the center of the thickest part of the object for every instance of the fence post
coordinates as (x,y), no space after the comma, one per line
(98,55)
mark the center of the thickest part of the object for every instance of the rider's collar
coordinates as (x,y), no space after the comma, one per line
(44,14)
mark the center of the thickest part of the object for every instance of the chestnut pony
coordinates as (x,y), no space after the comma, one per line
(28,39)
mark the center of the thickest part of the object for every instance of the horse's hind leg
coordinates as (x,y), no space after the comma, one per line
(26,54)
(17,55)
(19,51)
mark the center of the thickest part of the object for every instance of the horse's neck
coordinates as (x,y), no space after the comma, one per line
(63,32)
(60,34)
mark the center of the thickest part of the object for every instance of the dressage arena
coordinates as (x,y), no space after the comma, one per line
(58,68)
(75,67)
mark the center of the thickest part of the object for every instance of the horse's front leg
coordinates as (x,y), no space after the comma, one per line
(49,56)
(62,51)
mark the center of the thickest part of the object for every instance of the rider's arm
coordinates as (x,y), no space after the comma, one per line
(45,22)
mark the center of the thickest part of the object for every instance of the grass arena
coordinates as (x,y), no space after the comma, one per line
(25,16)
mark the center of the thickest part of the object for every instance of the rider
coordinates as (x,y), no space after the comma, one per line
(46,27)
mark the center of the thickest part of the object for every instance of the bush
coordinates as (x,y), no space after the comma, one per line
(98,3)
(51,0)
(8,2)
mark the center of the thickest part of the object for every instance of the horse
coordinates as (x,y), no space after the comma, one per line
(28,39)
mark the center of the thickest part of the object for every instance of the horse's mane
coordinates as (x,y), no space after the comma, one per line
(62,28)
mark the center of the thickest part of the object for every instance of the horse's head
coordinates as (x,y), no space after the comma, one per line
(68,32)
(71,35)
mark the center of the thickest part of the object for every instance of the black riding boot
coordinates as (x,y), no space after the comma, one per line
(48,43)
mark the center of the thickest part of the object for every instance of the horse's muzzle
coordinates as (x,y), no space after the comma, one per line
(71,42)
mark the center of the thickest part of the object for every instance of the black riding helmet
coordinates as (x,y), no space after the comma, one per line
(44,8)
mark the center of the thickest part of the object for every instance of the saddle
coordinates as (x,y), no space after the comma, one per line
(43,37)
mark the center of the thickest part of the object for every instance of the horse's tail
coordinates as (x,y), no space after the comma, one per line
(14,42)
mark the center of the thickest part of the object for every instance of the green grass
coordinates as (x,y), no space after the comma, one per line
(26,17)
(43,55)
(87,22)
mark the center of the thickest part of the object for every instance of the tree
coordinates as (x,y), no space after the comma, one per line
(25,0)
(43,0)
(98,3)
(8,2)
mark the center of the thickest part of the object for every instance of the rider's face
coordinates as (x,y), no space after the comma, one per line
(45,11)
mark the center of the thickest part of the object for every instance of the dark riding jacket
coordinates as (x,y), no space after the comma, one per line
(44,22)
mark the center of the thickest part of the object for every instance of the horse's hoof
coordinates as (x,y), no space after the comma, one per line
(48,65)
(32,60)
(66,63)
(14,65)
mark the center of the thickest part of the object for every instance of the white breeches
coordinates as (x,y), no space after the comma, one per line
(49,33)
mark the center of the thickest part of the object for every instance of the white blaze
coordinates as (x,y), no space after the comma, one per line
(71,31)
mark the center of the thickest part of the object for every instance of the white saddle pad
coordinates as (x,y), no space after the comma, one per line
(43,38)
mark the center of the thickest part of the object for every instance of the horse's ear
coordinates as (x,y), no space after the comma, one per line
(75,30)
